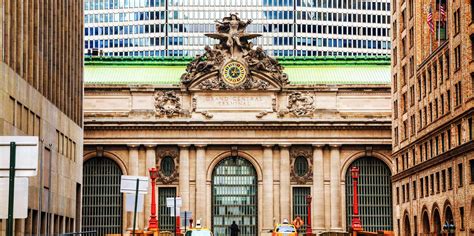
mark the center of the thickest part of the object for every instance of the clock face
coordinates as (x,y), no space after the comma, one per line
(234,73)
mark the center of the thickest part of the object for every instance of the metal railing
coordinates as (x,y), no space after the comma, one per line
(85,233)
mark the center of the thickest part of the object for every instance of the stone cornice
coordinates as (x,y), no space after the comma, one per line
(257,125)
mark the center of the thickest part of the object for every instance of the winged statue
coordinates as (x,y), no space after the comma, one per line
(231,32)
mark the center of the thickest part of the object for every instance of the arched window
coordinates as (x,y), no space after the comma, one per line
(437,222)
(406,225)
(374,177)
(101,198)
(234,197)
(426,223)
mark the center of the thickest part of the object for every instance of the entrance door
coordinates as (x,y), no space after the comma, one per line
(101,199)
(234,197)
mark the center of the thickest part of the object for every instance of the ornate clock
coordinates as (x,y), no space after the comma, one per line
(234,73)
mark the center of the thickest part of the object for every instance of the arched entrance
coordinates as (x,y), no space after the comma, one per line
(448,215)
(101,198)
(234,196)
(375,194)
(437,222)
(426,223)
(406,226)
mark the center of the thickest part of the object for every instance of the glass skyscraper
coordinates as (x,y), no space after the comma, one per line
(289,27)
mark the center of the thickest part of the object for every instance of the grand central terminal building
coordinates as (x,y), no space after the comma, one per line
(239,137)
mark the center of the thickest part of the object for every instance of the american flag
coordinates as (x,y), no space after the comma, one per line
(442,13)
(429,20)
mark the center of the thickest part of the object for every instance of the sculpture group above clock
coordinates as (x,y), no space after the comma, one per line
(234,63)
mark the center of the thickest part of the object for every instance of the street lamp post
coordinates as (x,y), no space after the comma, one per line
(153,222)
(356,226)
(449,227)
(309,230)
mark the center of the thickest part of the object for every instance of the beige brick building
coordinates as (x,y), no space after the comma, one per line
(433,129)
(41,95)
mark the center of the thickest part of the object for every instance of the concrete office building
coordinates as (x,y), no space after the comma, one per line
(41,68)
(290,27)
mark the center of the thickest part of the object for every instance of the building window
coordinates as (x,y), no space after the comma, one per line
(422,186)
(299,204)
(404,102)
(471,131)
(460,175)
(442,104)
(437,183)
(301,166)
(442,142)
(461,213)
(458,93)
(403,194)
(167,166)
(427,186)
(395,109)
(414,190)
(457,21)
(471,165)
(443,180)
(457,58)
(449,139)
(396,136)
(408,192)
(449,100)
(450,178)
(459,134)
(432,184)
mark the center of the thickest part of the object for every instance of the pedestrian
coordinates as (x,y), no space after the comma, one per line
(234,229)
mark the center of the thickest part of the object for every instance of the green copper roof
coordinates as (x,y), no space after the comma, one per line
(303,71)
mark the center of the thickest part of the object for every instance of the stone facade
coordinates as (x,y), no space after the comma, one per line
(41,95)
(433,112)
(236,103)
(345,123)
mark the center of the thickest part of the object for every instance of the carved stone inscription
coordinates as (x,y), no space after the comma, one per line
(227,102)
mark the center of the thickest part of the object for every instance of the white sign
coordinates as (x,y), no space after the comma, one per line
(172,211)
(130,202)
(20,204)
(128,184)
(26,158)
(170,201)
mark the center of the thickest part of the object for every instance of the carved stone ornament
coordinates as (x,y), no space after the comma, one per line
(167,104)
(233,63)
(300,105)
(305,152)
(161,154)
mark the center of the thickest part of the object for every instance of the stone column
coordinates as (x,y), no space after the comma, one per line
(201,184)
(335,188)
(184,176)
(284,182)
(318,188)
(267,188)
(133,167)
(150,161)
